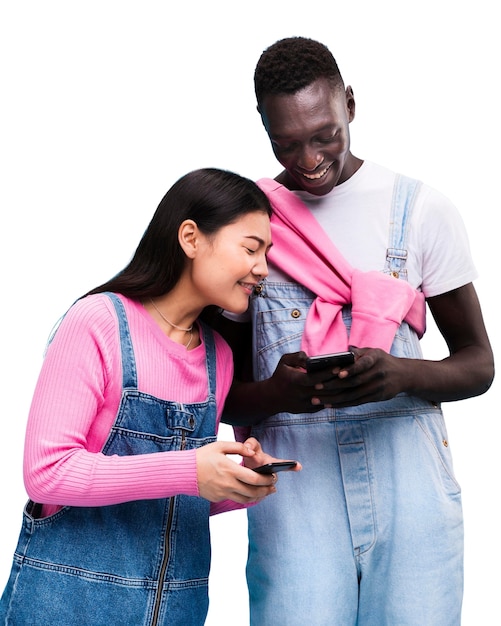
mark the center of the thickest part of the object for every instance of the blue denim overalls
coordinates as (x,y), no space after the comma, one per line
(138,563)
(370,532)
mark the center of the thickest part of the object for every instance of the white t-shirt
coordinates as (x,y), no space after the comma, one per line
(356,216)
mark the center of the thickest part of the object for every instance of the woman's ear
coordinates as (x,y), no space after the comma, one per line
(188,236)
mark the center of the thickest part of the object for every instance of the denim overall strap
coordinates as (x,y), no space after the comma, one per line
(210,360)
(405,191)
(129,372)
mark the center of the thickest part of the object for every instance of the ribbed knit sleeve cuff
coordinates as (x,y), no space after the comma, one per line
(228,505)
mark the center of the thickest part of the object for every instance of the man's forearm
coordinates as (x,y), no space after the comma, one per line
(250,402)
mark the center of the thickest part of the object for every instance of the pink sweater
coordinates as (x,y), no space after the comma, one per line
(77,397)
(303,251)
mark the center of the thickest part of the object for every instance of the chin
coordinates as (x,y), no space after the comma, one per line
(320,189)
(237,309)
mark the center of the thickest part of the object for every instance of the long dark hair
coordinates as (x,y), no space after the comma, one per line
(212,198)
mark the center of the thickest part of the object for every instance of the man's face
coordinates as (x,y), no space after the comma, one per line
(309,134)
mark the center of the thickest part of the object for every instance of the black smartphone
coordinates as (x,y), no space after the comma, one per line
(323,361)
(271,468)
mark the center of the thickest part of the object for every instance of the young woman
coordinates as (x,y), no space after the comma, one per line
(121,464)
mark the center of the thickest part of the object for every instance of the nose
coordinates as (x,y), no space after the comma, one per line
(310,159)
(261,268)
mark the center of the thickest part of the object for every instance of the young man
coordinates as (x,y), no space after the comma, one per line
(370,532)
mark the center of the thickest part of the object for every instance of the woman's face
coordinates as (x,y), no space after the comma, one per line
(229,264)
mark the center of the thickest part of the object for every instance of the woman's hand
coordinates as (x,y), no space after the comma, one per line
(221,478)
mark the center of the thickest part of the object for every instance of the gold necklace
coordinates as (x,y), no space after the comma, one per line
(186,330)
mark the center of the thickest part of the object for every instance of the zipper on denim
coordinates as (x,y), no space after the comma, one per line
(166,556)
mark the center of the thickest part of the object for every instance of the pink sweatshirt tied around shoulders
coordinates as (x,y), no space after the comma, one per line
(379,302)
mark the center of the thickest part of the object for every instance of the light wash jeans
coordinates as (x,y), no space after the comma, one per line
(370,532)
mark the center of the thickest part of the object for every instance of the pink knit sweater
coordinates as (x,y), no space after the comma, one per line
(77,397)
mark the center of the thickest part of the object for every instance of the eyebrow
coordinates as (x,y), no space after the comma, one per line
(323,128)
(258,239)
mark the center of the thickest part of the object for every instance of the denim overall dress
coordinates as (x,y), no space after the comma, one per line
(133,564)
(370,532)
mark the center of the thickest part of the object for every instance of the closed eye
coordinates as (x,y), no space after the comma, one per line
(284,149)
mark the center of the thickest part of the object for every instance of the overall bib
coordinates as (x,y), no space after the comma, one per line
(138,563)
(370,532)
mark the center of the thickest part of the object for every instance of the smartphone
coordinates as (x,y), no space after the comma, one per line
(323,361)
(271,468)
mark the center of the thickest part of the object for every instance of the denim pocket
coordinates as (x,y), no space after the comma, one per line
(434,431)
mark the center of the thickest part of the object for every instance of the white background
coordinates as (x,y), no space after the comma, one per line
(105,104)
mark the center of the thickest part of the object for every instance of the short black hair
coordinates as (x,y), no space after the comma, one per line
(293,63)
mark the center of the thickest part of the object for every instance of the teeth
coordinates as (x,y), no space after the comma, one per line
(316,176)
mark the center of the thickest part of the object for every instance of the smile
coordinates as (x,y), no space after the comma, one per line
(317,175)
(248,286)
